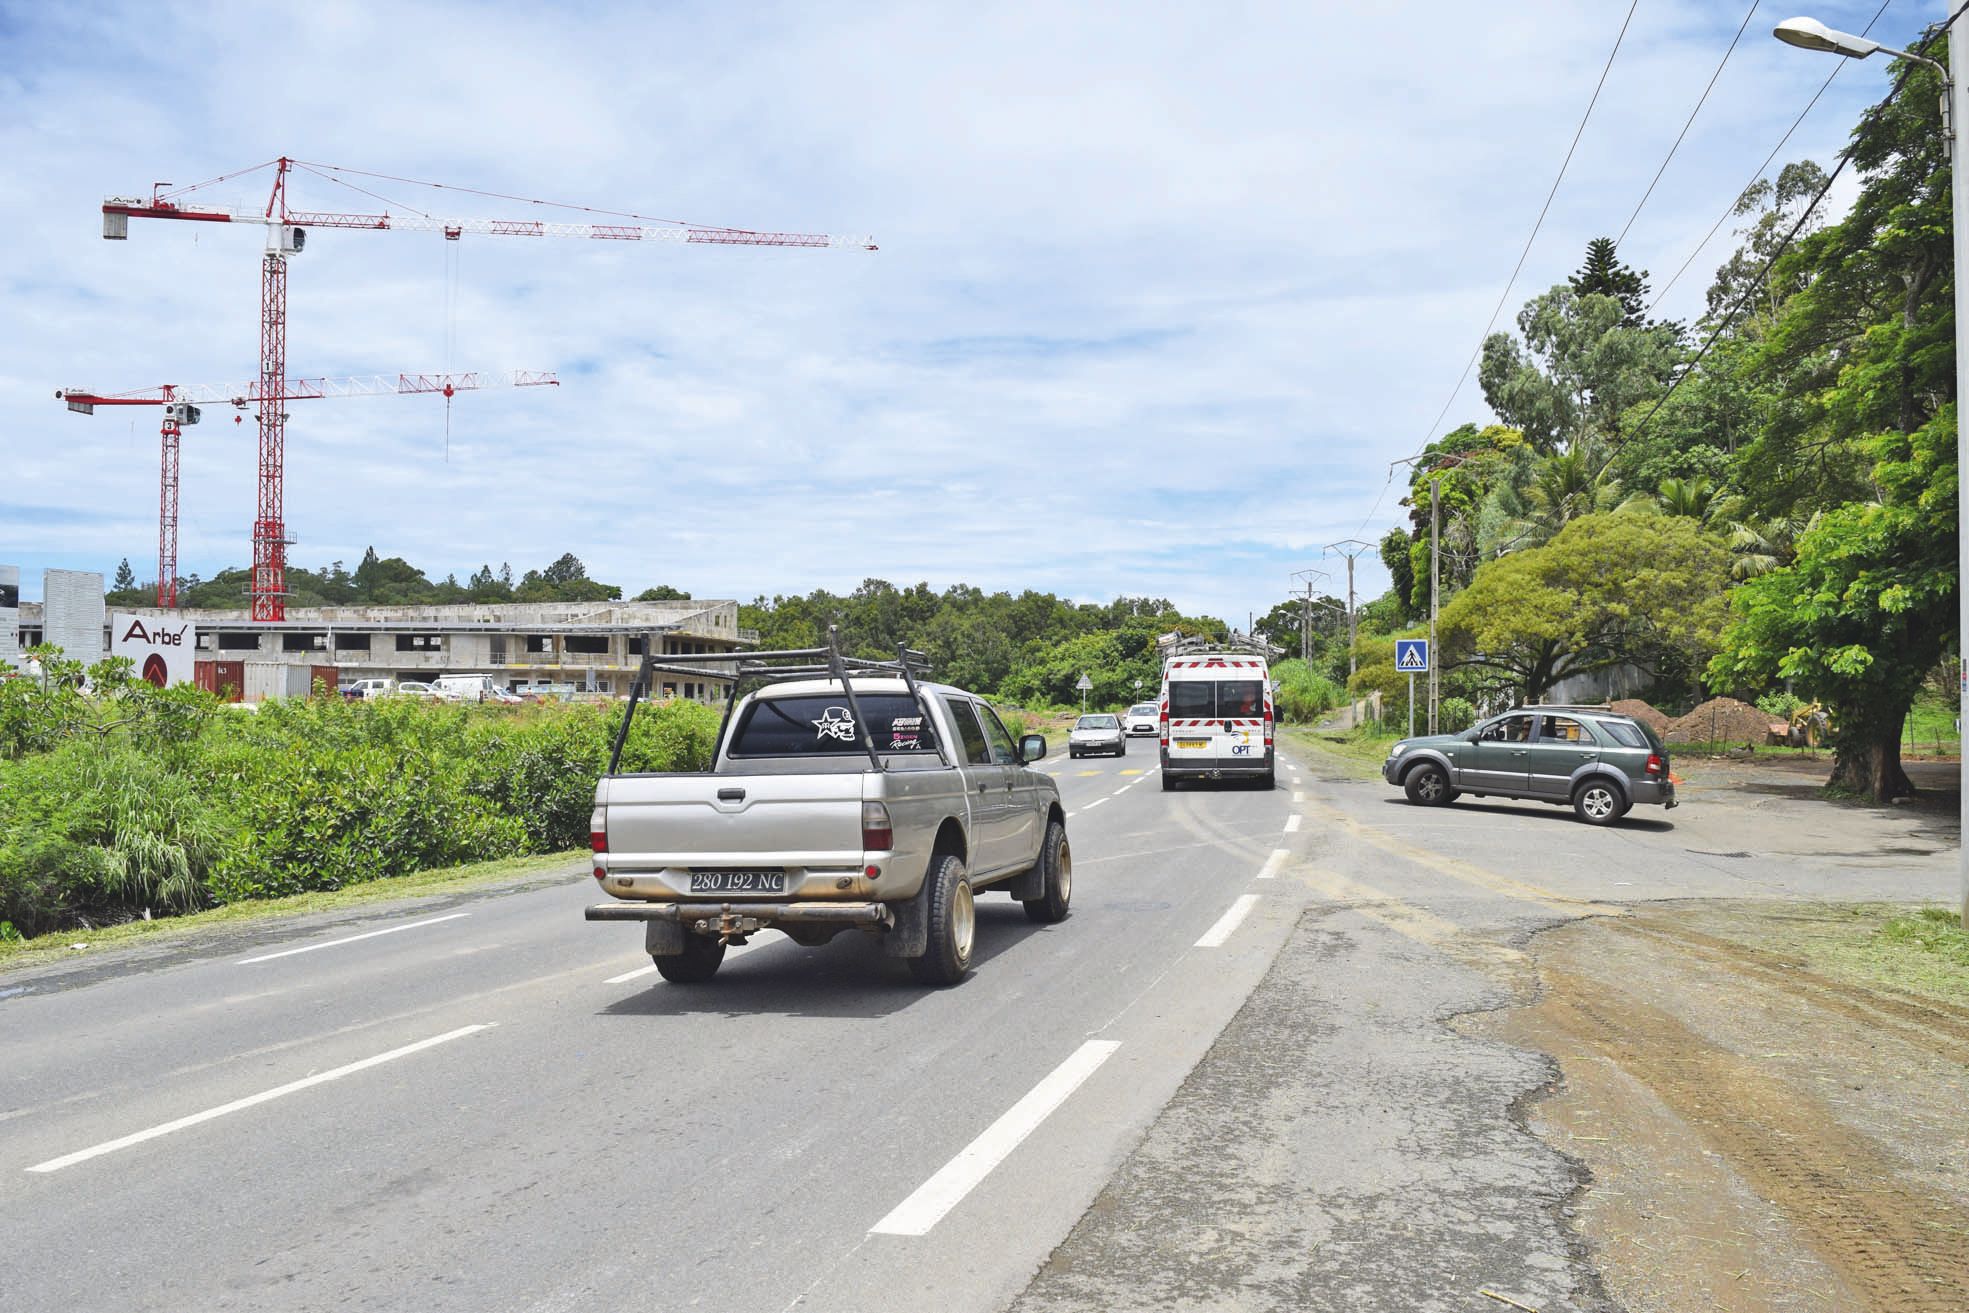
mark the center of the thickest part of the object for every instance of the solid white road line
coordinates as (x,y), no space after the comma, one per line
(1118,792)
(1215,936)
(337,943)
(650,970)
(915,1215)
(1292,822)
(1272,863)
(319,1078)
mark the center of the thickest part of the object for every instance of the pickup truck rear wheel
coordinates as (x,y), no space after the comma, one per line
(1056,861)
(696,964)
(953,917)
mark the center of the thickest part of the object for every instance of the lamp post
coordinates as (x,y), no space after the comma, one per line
(1810,34)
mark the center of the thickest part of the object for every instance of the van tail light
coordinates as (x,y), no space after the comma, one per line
(877,830)
(1162,723)
(1654,763)
(1268,726)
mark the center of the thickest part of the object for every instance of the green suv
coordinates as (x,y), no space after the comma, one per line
(1598,762)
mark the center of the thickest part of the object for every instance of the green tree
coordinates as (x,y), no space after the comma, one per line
(1602,274)
(1615,589)
(663,593)
(126,578)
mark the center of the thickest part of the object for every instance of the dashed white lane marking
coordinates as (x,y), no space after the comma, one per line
(1092,805)
(1118,792)
(1272,863)
(1292,822)
(253,1100)
(650,970)
(1298,795)
(337,943)
(1215,936)
(915,1215)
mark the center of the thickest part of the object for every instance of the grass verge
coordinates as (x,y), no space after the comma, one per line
(1359,753)
(1918,950)
(43,949)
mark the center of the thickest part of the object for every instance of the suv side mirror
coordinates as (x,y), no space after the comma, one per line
(1031,748)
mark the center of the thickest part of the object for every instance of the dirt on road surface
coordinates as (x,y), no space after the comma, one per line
(1759,1136)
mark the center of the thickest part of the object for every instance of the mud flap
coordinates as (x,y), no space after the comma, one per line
(910,936)
(1029,886)
(663,938)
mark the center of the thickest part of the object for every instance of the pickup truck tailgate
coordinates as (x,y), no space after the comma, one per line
(670,820)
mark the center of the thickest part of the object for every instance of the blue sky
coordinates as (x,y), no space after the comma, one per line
(1161,291)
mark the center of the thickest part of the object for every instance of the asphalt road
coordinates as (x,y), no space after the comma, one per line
(1224,1082)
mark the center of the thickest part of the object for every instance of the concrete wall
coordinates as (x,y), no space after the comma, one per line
(73,615)
(10,615)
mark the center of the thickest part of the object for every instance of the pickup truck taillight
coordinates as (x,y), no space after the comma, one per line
(598,843)
(878,832)
(1654,763)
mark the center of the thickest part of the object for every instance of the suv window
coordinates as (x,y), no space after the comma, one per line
(1564,729)
(1002,750)
(1510,729)
(823,724)
(1628,736)
(976,750)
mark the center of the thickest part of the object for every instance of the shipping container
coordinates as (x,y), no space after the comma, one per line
(226,679)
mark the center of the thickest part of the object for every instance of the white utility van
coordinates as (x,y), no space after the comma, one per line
(465,688)
(1216,716)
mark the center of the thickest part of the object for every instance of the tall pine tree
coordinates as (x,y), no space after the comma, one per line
(1604,275)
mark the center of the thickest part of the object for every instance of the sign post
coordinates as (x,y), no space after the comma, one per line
(1412,658)
(1083,684)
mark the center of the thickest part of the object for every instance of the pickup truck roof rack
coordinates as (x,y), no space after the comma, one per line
(779,667)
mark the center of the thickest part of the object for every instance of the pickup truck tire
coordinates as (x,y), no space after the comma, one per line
(696,964)
(953,918)
(1056,864)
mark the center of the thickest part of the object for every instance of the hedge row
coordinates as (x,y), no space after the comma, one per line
(127,800)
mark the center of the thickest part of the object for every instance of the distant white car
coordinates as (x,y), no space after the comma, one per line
(413,688)
(1141,719)
(360,689)
(466,688)
(1096,733)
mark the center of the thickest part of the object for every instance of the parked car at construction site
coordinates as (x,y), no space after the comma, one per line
(844,794)
(1595,760)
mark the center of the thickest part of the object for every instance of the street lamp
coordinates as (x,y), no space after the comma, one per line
(1810,34)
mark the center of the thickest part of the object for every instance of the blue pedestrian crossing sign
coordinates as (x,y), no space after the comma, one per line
(1412,655)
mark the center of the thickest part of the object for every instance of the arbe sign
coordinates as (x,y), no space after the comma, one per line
(161,650)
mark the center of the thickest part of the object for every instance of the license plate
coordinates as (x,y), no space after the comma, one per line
(738,882)
(1192,743)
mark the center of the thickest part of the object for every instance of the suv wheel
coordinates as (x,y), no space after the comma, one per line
(1598,803)
(1056,860)
(1427,786)
(696,964)
(953,916)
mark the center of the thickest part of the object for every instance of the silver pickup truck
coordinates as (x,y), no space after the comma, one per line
(844,794)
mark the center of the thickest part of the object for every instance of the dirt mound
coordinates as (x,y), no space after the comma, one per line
(1642,711)
(1720,720)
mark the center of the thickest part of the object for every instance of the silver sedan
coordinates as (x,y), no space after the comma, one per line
(1097,733)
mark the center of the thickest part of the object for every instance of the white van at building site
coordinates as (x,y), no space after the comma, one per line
(1216,714)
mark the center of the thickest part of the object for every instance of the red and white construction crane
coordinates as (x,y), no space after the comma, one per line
(286,235)
(181,407)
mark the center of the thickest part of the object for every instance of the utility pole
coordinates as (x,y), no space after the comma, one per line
(1350,548)
(1435,578)
(1306,611)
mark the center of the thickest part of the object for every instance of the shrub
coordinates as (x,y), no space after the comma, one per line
(1303,695)
(1454,715)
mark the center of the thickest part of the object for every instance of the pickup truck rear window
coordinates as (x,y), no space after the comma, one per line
(823,725)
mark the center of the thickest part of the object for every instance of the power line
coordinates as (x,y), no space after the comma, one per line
(1839,66)
(1700,102)
(1522,255)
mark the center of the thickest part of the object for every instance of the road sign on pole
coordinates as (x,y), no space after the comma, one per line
(1083,684)
(1412,655)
